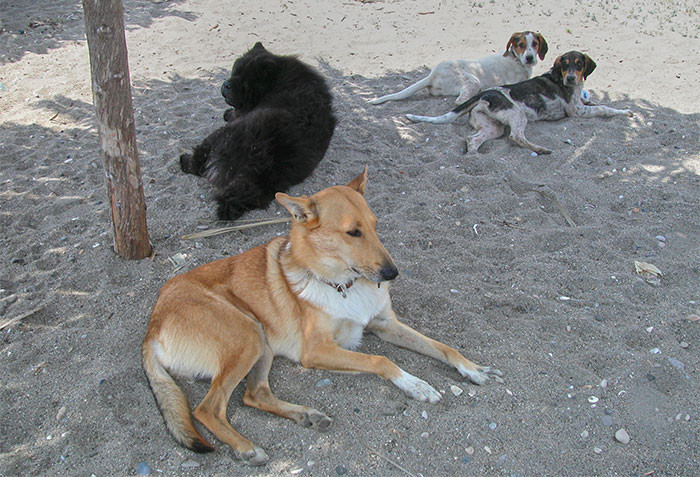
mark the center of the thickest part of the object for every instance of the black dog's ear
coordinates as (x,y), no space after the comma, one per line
(542,50)
(266,69)
(588,66)
(556,68)
(258,46)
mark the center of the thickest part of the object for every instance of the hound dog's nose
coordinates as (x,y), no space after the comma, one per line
(570,79)
(530,58)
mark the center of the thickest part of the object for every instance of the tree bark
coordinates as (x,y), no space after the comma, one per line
(111,91)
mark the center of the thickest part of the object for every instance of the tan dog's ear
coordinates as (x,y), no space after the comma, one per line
(588,66)
(513,39)
(542,50)
(359,182)
(302,209)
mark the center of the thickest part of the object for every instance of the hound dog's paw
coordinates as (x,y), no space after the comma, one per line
(628,112)
(480,374)
(416,388)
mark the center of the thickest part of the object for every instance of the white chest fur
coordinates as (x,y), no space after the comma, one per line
(351,313)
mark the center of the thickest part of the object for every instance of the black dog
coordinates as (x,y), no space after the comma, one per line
(276,134)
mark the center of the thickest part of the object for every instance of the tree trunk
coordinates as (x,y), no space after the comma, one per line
(111,91)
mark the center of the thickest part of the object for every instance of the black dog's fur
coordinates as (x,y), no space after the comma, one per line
(275,136)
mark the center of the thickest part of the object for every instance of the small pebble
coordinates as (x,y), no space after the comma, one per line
(487,449)
(533,154)
(597,450)
(676,364)
(424,435)
(296,471)
(424,414)
(660,238)
(622,436)
(340,470)
(61,412)
(655,351)
(456,390)
(604,383)
(143,468)
(493,426)
(321,383)
(469,450)
(683,345)
(189,464)
(592,399)
(693,317)
(584,434)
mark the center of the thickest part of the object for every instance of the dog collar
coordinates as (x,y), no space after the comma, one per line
(341,288)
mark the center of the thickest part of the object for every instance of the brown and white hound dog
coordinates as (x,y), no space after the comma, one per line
(551,96)
(465,78)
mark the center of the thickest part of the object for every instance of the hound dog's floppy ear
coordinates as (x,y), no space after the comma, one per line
(302,209)
(513,39)
(359,182)
(556,69)
(542,50)
(588,66)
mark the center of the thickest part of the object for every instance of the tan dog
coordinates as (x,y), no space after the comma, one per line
(465,78)
(307,297)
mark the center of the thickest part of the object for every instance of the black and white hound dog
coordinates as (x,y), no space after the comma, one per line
(551,96)
(465,78)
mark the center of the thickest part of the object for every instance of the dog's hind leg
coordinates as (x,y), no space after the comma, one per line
(195,163)
(235,364)
(390,329)
(259,395)
(517,135)
(486,129)
(470,87)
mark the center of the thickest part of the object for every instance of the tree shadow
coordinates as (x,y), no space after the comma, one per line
(37,26)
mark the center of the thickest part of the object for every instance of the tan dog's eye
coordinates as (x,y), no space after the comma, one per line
(355,233)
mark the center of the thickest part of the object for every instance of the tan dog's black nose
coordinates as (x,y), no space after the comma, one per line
(389,272)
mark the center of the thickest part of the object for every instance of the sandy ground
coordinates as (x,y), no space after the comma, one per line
(488,262)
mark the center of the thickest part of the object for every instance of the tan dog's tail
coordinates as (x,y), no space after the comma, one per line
(172,402)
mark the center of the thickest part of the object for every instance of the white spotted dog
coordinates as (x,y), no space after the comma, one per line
(465,78)
(548,97)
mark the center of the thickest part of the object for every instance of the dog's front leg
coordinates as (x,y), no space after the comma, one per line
(601,111)
(322,352)
(390,329)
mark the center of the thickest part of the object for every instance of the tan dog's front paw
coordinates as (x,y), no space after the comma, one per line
(255,457)
(416,388)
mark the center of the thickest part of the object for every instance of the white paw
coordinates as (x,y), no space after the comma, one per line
(416,388)
(480,374)
(628,112)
